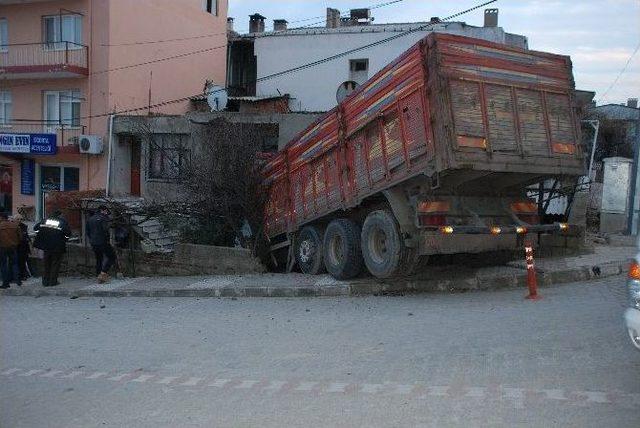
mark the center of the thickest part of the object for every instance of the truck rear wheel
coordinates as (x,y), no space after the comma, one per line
(308,250)
(342,254)
(382,248)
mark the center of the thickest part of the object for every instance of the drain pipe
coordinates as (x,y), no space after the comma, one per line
(108,186)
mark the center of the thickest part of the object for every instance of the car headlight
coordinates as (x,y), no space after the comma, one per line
(634,293)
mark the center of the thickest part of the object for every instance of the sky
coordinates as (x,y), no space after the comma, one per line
(599,35)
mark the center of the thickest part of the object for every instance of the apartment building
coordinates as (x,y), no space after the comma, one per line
(67,65)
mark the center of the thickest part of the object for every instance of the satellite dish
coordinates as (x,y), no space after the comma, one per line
(217,97)
(345,89)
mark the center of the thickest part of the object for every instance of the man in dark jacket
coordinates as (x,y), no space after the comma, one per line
(10,237)
(98,233)
(52,237)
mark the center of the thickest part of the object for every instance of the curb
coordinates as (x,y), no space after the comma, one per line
(358,288)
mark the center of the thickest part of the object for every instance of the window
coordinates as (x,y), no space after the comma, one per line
(168,155)
(4,35)
(5,107)
(62,108)
(359,70)
(359,65)
(211,6)
(59,29)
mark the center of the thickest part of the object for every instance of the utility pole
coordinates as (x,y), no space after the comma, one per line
(633,197)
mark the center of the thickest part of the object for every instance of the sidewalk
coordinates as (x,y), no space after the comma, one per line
(606,261)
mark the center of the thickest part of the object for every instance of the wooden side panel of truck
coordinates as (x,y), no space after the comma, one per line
(452,117)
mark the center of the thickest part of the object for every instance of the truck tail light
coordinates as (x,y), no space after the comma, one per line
(634,271)
(495,230)
(433,213)
(527,211)
(432,220)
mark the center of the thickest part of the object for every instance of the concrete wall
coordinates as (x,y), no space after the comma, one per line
(314,89)
(187,260)
(289,125)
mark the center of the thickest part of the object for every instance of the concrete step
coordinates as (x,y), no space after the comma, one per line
(161,242)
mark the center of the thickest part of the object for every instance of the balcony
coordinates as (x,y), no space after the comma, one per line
(66,135)
(44,60)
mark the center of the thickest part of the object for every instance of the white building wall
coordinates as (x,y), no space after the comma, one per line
(314,89)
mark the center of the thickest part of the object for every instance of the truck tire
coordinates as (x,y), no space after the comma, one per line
(342,255)
(308,250)
(382,248)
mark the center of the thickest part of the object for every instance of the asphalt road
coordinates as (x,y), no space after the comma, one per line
(474,359)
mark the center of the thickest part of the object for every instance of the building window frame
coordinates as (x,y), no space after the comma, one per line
(210,6)
(4,35)
(168,155)
(61,35)
(62,109)
(6,109)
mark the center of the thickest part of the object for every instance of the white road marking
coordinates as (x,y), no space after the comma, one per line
(118,378)
(275,385)
(192,381)
(247,384)
(371,388)
(403,389)
(513,393)
(96,375)
(554,394)
(596,397)
(52,373)
(72,375)
(337,387)
(305,386)
(475,392)
(31,372)
(167,380)
(438,391)
(219,383)
(9,372)
(143,378)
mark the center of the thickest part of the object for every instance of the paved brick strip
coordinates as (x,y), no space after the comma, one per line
(519,397)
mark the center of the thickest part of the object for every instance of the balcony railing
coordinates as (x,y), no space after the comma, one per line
(55,59)
(66,134)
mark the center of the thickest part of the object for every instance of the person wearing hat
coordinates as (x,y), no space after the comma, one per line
(52,237)
(98,233)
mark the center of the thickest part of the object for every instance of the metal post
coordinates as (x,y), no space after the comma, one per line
(634,181)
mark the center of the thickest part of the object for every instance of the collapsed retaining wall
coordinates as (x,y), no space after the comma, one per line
(186,260)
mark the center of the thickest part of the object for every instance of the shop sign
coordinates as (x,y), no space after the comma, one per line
(35,144)
(27,177)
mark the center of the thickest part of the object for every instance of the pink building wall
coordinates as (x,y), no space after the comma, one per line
(117,33)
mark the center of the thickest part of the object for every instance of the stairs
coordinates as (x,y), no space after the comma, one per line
(155,238)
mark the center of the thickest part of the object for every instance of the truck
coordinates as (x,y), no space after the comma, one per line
(432,155)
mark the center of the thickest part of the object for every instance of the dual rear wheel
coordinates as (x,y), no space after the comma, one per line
(343,248)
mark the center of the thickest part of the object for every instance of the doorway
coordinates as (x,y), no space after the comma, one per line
(135,168)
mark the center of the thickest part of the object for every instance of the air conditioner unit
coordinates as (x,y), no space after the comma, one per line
(90,144)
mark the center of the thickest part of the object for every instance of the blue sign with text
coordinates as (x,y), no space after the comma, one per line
(35,144)
(27,177)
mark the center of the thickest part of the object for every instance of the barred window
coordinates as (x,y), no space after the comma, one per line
(168,156)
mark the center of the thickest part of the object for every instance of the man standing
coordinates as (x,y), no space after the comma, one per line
(52,237)
(98,232)
(10,237)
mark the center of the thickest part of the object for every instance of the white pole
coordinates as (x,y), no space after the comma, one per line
(108,186)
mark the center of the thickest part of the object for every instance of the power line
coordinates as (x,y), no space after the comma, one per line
(148,42)
(604,95)
(294,69)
